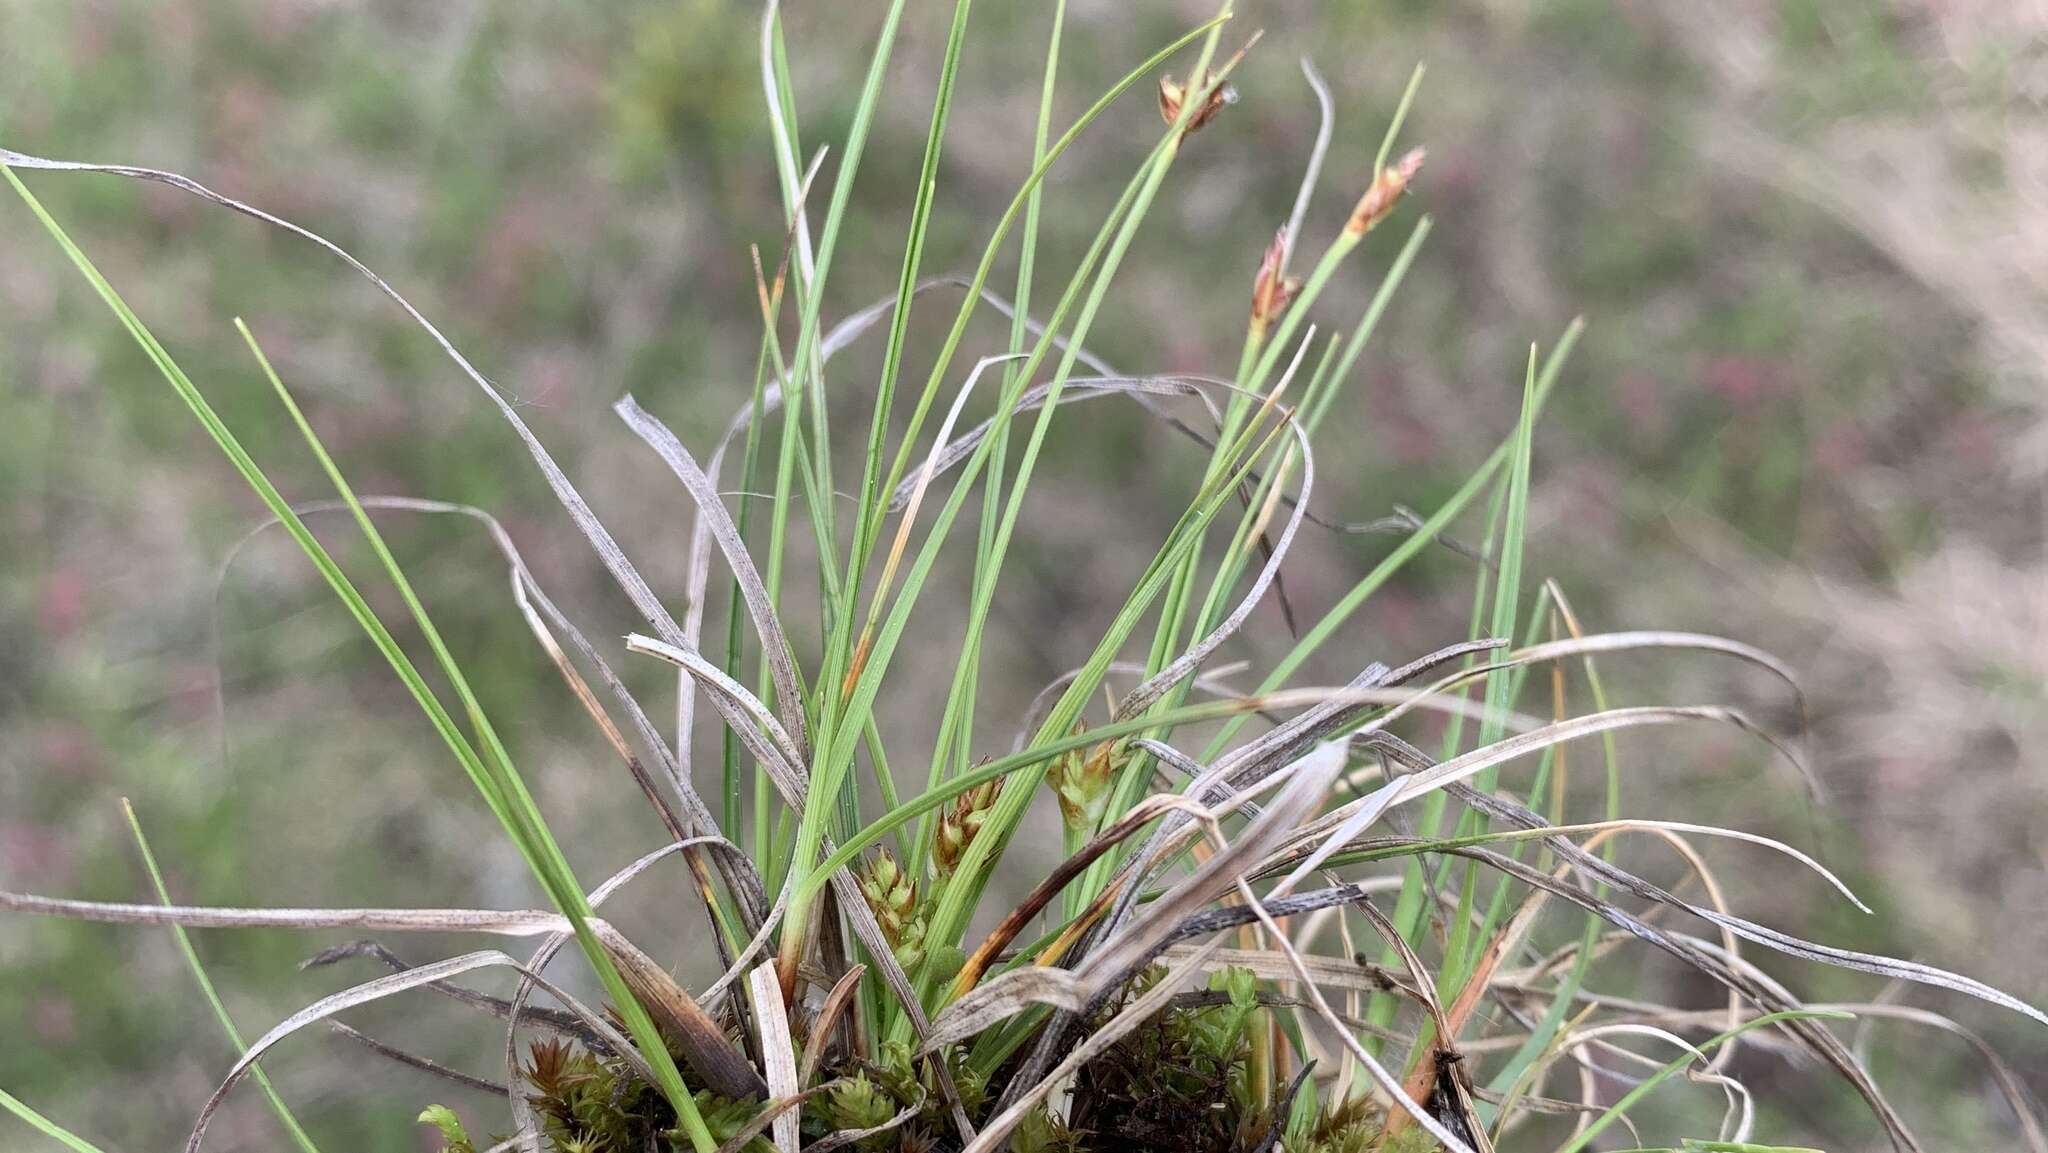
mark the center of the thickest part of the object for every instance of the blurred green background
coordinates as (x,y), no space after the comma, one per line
(1809,237)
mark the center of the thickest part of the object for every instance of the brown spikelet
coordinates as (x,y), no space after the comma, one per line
(1272,289)
(1387,188)
(959,824)
(1172,94)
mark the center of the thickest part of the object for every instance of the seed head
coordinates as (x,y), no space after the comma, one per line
(960,823)
(891,893)
(1172,95)
(1081,783)
(1379,200)
(1272,289)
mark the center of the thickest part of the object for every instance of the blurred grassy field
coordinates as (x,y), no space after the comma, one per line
(1809,237)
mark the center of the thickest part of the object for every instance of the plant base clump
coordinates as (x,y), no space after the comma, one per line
(1181,1082)
(590,1105)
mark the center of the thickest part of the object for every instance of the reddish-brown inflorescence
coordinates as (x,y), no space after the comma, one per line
(1272,289)
(960,823)
(1172,95)
(1387,188)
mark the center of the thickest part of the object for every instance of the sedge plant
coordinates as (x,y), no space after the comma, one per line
(1210,966)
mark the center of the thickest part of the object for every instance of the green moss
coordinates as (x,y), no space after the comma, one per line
(454,1137)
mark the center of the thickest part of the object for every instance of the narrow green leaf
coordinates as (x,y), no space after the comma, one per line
(518,811)
(45,1126)
(514,810)
(835,747)
(220,1010)
(870,514)
(1672,1069)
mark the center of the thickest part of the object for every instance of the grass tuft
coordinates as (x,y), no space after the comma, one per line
(1173,983)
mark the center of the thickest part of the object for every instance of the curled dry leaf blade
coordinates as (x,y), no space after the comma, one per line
(398,983)
(542,614)
(760,606)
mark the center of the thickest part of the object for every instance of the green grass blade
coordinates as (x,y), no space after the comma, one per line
(220,1010)
(528,833)
(955,739)
(1264,355)
(1035,753)
(1508,586)
(1316,401)
(1509,1075)
(1259,358)
(1679,1065)
(45,1126)
(1409,906)
(804,364)
(1410,902)
(520,813)
(993,249)
(868,524)
(963,887)
(835,748)
(735,637)
(963,890)
(1027,255)
(1501,683)
(1400,117)
(1322,389)
(1177,541)
(1415,542)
